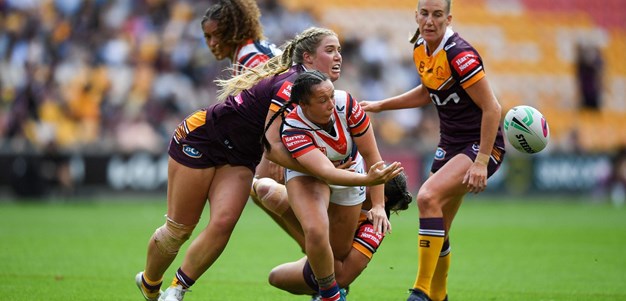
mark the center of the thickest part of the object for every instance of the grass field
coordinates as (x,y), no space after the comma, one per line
(502,250)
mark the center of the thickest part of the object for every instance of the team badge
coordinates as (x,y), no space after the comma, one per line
(440,154)
(475,148)
(191,152)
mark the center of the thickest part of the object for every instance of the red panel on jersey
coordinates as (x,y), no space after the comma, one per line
(285,91)
(464,62)
(359,121)
(298,144)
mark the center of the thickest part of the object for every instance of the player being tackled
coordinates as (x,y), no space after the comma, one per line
(296,277)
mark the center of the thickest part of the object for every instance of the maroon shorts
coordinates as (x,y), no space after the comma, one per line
(446,152)
(216,136)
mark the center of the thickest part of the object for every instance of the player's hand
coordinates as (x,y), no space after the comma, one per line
(346,165)
(380,174)
(276,172)
(370,106)
(379,219)
(476,177)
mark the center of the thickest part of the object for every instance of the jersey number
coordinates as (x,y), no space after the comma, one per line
(454,97)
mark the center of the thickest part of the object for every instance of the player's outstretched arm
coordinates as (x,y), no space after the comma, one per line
(416,97)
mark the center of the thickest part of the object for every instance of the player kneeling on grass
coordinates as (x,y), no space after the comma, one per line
(297,277)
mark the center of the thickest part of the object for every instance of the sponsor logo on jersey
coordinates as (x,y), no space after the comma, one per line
(464,62)
(440,154)
(238,99)
(292,142)
(367,235)
(357,113)
(285,91)
(191,152)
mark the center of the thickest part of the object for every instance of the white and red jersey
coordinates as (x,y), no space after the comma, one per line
(253,53)
(300,135)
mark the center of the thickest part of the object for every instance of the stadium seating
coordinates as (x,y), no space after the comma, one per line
(530,49)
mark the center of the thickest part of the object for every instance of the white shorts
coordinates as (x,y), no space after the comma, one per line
(340,195)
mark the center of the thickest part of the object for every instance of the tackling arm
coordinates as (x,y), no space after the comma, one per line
(416,97)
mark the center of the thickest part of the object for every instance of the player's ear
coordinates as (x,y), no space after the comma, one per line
(307,58)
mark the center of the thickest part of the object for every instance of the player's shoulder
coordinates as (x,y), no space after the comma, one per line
(268,48)
(295,121)
(262,48)
(418,43)
(343,99)
(341,95)
(456,44)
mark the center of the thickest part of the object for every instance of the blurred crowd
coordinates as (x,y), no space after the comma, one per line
(117,76)
(101,76)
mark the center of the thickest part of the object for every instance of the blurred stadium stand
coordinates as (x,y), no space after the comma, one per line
(529,47)
(110,79)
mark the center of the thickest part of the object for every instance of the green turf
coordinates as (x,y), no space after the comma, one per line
(541,250)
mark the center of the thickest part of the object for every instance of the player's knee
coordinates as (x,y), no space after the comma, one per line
(171,236)
(272,195)
(426,199)
(224,223)
(274,278)
(315,236)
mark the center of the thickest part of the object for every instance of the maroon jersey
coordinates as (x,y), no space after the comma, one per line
(446,72)
(230,132)
(269,94)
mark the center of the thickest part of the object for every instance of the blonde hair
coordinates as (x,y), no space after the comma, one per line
(305,42)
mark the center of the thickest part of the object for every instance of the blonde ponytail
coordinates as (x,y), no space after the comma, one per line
(305,42)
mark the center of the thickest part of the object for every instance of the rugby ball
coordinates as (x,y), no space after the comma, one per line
(526,129)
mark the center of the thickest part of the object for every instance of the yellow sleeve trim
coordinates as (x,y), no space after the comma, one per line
(473,80)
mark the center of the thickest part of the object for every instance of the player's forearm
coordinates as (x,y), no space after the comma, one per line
(281,156)
(410,99)
(334,176)
(489,129)
(377,194)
